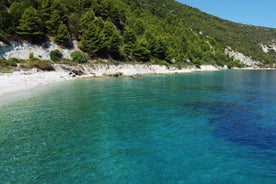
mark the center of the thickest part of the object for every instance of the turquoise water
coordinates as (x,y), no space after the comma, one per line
(213,127)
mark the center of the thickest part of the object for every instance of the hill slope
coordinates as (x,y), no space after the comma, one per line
(247,39)
(136,30)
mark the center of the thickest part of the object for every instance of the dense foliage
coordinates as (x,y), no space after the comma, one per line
(79,57)
(8,66)
(132,30)
(56,55)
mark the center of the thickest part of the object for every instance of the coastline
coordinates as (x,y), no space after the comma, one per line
(24,80)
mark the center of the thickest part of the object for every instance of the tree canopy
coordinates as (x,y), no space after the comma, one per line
(30,23)
(134,30)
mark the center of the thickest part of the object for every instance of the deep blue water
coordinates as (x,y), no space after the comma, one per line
(211,127)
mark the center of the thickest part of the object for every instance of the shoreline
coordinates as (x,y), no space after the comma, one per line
(25,80)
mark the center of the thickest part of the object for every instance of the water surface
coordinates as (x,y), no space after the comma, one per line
(210,127)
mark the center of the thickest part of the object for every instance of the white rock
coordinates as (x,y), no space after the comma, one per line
(266,48)
(22,50)
(248,61)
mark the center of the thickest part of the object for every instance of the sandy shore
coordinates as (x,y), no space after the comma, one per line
(18,81)
(22,80)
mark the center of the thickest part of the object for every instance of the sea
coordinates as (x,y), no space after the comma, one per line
(204,127)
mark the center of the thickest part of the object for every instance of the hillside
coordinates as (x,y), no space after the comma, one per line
(136,30)
(248,39)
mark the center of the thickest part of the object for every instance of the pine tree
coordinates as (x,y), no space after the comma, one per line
(115,42)
(46,12)
(16,10)
(62,8)
(62,38)
(130,36)
(85,20)
(129,43)
(30,23)
(103,9)
(52,25)
(73,24)
(139,26)
(111,38)
(91,41)
(160,48)
(141,51)
(4,20)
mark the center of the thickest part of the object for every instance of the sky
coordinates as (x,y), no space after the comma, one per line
(253,12)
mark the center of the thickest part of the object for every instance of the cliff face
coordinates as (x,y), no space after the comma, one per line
(21,50)
(246,60)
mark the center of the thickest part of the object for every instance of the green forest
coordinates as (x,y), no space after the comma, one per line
(134,30)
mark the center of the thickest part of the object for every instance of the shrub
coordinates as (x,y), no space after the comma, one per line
(3,63)
(13,62)
(7,63)
(31,56)
(6,71)
(160,62)
(42,65)
(236,63)
(79,57)
(56,55)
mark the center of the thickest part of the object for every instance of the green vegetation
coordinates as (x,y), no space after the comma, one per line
(31,56)
(56,55)
(162,31)
(62,38)
(40,64)
(43,65)
(30,23)
(79,57)
(8,66)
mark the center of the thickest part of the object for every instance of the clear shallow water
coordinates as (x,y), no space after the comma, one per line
(213,127)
